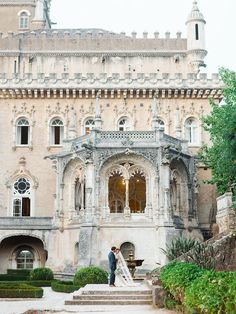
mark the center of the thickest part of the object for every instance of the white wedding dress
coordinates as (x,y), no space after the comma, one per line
(123,276)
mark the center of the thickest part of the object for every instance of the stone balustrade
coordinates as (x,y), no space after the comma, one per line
(26,223)
(130,139)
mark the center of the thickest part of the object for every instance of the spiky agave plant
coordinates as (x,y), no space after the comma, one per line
(179,247)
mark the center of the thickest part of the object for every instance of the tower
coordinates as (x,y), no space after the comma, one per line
(24,15)
(196,38)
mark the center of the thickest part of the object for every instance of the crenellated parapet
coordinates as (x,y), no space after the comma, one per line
(140,85)
(78,40)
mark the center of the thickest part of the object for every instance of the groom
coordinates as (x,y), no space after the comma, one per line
(112,266)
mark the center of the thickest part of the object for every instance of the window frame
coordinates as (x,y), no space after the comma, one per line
(24,19)
(191,132)
(23,197)
(125,126)
(56,131)
(88,127)
(23,124)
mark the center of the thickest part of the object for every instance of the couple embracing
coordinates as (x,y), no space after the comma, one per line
(119,273)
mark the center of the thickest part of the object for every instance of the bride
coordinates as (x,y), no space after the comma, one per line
(123,276)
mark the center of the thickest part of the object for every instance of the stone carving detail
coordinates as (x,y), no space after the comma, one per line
(166,155)
(24,110)
(84,241)
(57,110)
(127,142)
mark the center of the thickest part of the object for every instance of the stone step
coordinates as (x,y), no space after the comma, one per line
(112,297)
(114,291)
(108,302)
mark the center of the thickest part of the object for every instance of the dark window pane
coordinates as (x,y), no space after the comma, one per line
(24,135)
(25,206)
(57,130)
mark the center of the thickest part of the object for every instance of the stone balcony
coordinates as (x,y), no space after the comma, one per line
(25,223)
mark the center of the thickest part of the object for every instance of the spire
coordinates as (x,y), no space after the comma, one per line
(195,14)
(177,123)
(98,120)
(154,114)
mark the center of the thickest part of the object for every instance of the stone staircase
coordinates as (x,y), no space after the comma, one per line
(105,295)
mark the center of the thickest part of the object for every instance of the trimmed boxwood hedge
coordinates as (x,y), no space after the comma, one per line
(64,286)
(90,275)
(36,283)
(19,272)
(5,277)
(42,273)
(20,291)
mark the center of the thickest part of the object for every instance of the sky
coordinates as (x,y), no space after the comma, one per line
(156,15)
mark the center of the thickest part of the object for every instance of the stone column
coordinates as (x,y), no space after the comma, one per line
(127,209)
(165,193)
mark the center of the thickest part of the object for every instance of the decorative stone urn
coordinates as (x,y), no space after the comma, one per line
(133,263)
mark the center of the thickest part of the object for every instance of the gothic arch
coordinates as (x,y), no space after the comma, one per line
(129,168)
(24,234)
(74,174)
(179,188)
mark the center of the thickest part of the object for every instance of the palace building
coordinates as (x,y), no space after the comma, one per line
(98,140)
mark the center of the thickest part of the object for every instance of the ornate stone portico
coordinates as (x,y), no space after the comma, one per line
(88,165)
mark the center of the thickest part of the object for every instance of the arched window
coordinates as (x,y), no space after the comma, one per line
(56,132)
(161,124)
(191,131)
(21,197)
(24,20)
(123,124)
(23,131)
(25,259)
(88,126)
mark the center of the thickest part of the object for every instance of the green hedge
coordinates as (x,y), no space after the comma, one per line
(5,277)
(176,276)
(19,272)
(40,283)
(64,286)
(214,292)
(20,291)
(42,273)
(36,283)
(198,290)
(90,275)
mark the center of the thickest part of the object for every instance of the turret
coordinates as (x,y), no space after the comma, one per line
(41,16)
(196,38)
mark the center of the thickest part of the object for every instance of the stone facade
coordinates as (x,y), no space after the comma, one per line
(98,137)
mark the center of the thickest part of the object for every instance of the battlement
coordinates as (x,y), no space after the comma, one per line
(91,39)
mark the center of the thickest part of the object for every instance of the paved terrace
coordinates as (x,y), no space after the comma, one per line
(54,302)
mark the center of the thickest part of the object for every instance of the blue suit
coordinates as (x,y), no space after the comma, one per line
(112,267)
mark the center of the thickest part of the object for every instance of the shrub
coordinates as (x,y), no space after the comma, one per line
(36,283)
(43,273)
(19,272)
(90,275)
(20,291)
(189,250)
(177,276)
(64,286)
(213,293)
(5,277)
(40,283)
(179,247)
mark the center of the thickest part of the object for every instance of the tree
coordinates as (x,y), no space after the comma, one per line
(221,124)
